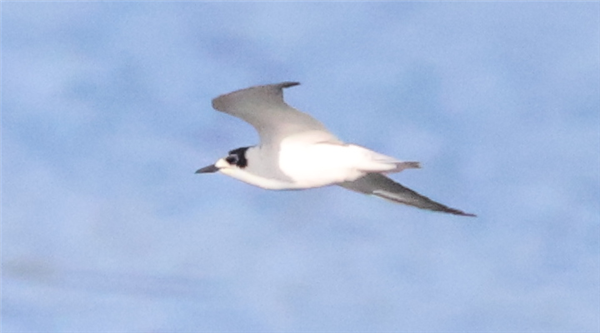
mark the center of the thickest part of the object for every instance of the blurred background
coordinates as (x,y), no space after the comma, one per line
(106,115)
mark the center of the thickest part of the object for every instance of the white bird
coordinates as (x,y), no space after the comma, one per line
(297,152)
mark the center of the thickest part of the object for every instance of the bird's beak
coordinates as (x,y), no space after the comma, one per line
(208,169)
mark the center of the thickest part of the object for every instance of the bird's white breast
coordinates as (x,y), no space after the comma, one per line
(318,164)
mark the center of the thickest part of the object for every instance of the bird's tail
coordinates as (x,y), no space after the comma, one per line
(404,165)
(384,187)
(371,161)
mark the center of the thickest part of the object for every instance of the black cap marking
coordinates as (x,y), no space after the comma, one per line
(238,157)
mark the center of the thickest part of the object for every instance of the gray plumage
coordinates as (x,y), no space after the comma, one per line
(276,122)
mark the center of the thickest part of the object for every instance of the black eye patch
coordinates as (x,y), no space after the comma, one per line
(238,157)
(232,159)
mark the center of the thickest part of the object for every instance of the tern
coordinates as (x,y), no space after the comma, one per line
(297,152)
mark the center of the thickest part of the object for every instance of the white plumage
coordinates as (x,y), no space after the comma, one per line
(297,151)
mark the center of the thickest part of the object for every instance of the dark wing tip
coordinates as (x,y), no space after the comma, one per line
(458,212)
(288,84)
(268,92)
(438,207)
(386,188)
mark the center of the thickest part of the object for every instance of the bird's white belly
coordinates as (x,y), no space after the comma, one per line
(315,165)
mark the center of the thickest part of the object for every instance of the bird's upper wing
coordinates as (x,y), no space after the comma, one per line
(263,107)
(384,187)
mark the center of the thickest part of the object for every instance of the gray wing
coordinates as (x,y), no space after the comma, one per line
(264,108)
(384,187)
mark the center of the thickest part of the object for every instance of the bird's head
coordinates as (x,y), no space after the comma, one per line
(233,163)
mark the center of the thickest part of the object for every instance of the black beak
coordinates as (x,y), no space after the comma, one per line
(208,169)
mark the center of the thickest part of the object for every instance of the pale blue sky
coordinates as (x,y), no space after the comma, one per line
(106,115)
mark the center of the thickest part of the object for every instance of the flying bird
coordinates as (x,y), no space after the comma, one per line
(296,152)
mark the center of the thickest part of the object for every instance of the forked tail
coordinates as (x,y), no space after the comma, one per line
(403,166)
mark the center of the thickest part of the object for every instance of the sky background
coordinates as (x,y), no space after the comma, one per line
(106,115)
